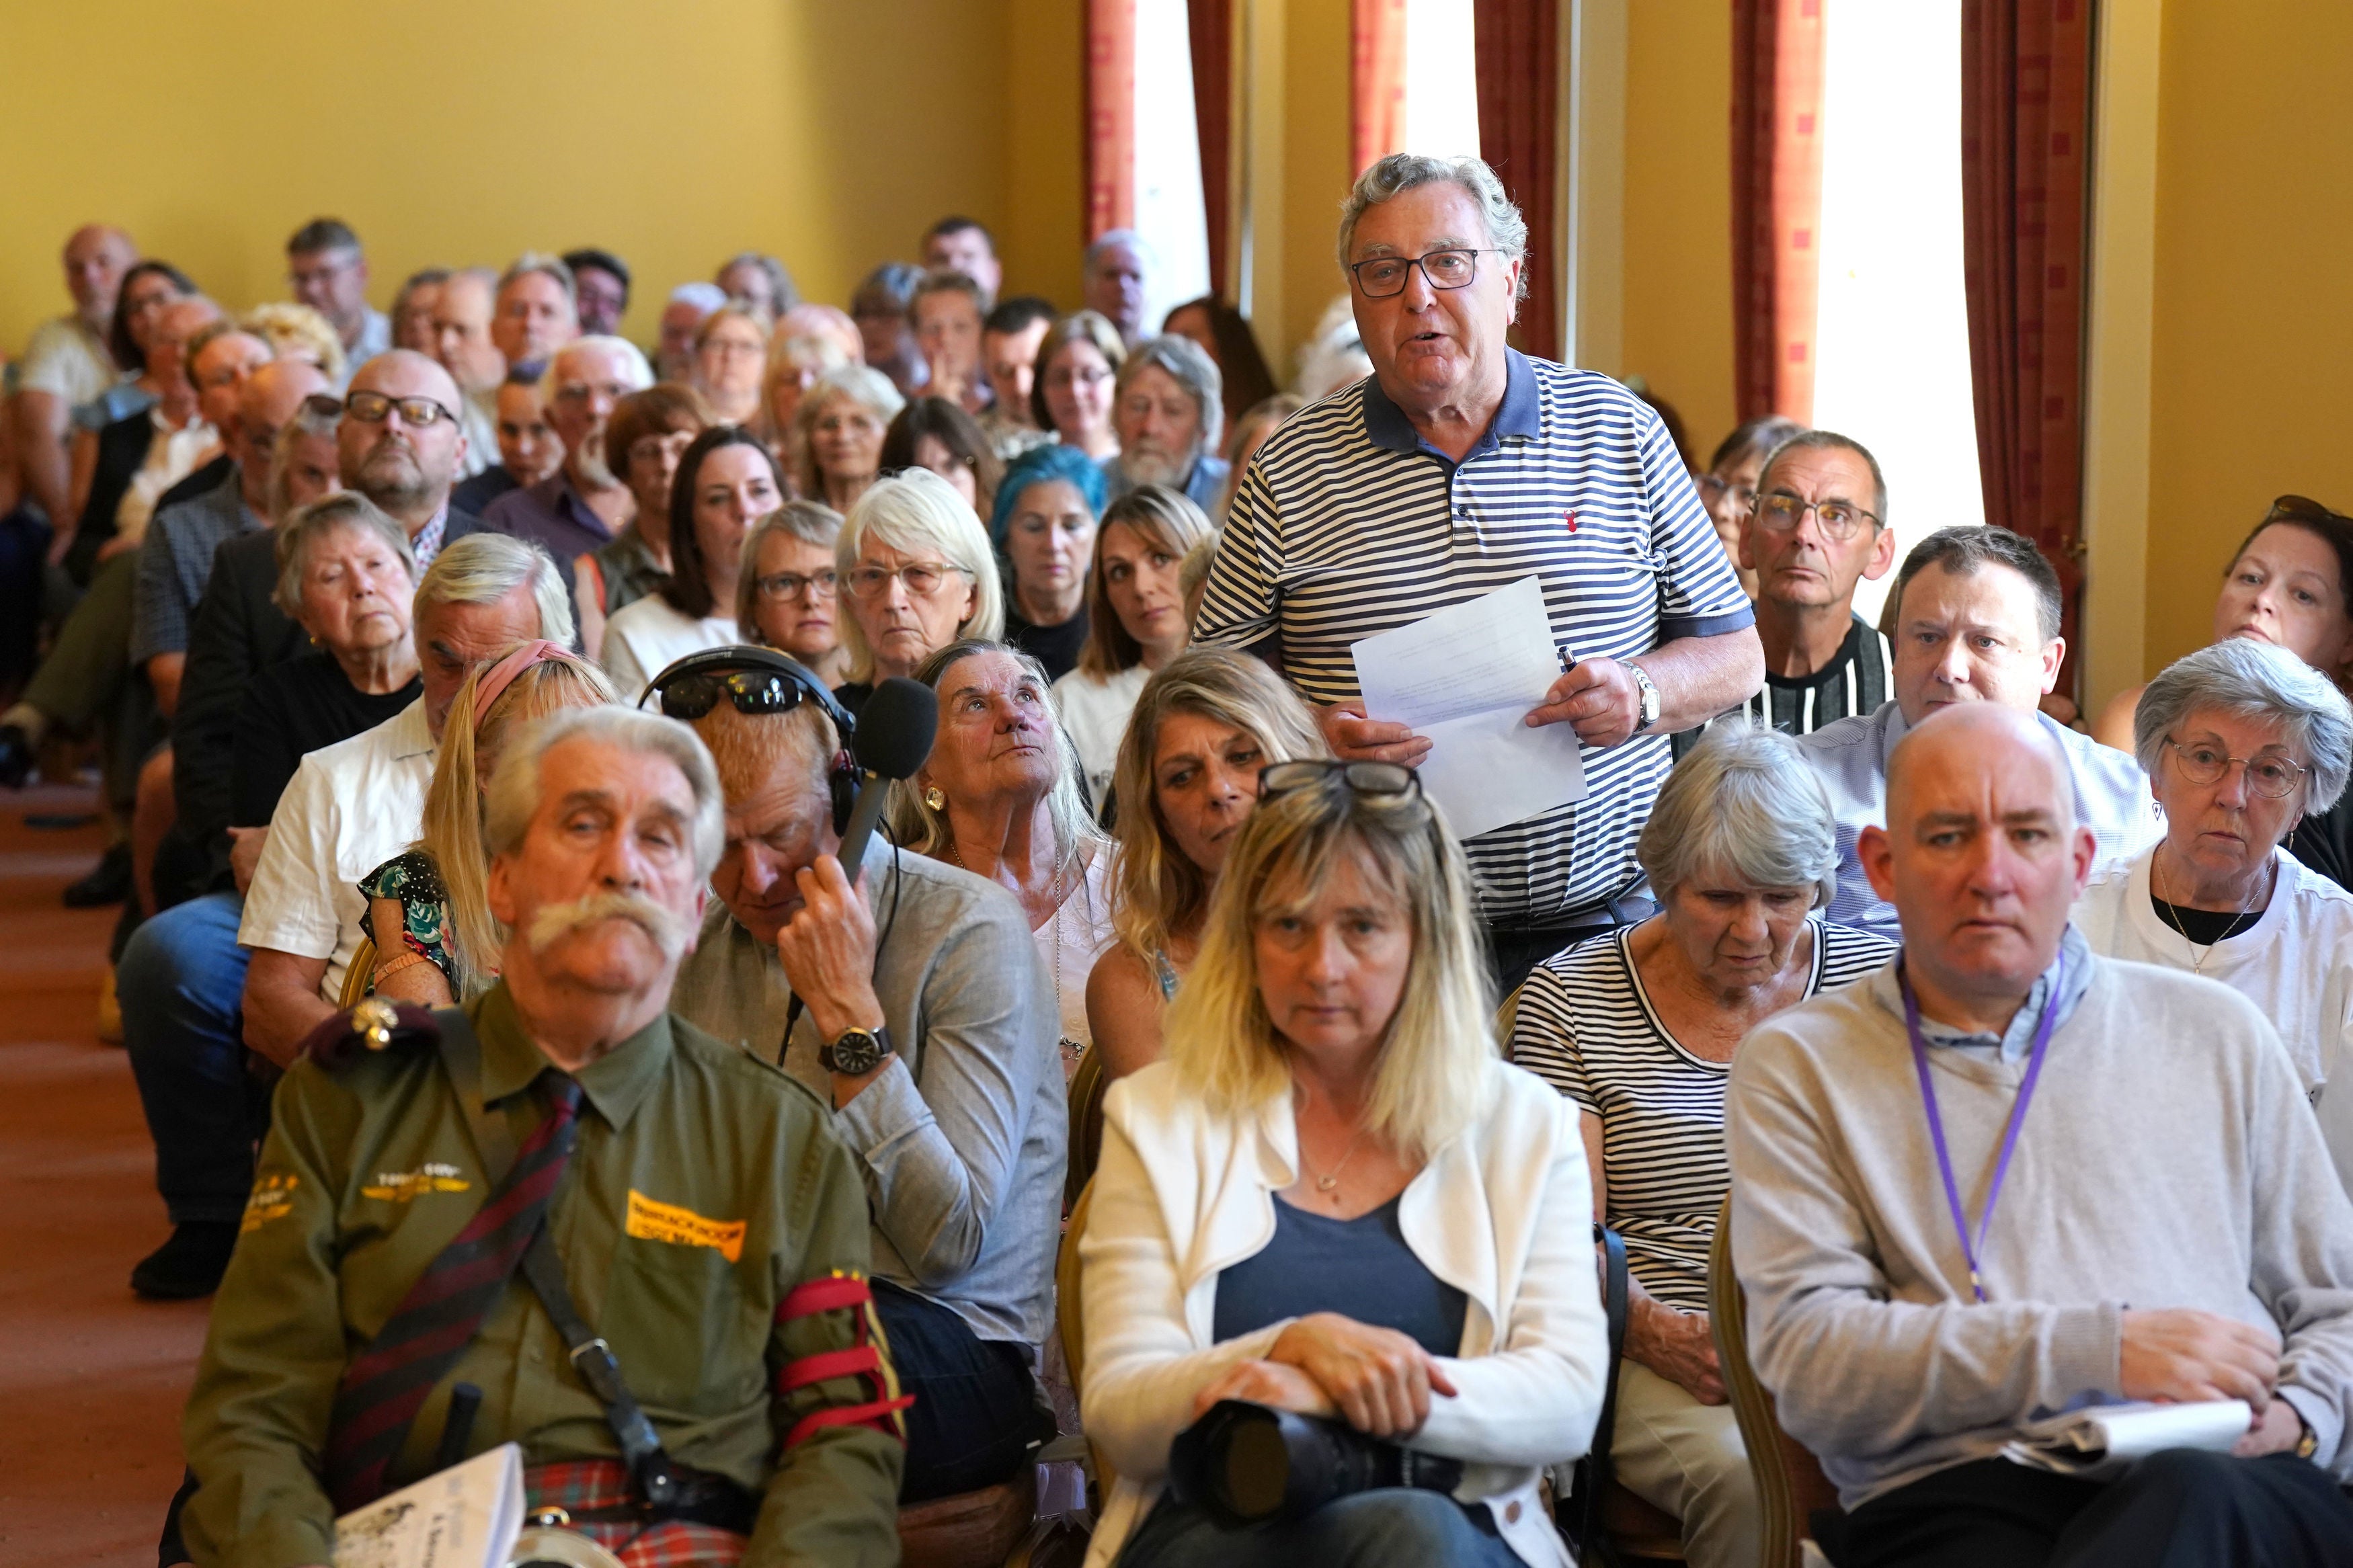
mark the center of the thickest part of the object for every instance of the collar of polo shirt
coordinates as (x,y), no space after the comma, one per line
(1385,424)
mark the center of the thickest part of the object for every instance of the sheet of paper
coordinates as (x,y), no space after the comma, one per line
(1466,677)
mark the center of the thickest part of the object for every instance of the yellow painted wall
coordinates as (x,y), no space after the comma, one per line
(1317,175)
(461,131)
(2254,335)
(1677,300)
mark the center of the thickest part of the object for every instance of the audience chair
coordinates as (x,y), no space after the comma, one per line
(987,1528)
(359,977)
(1073,1324)
(1506,1016)
(1088,1086)
(1790,1481)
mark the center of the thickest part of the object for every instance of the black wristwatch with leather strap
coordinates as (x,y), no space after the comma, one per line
(857,1053)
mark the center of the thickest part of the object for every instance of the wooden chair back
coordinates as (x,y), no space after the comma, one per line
(1789,1481)
(1074,1323)
(1089,1084)
(360,978)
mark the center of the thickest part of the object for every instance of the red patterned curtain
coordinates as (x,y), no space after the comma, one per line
(1111,116)
(1211,23)
(1776,203)
(1375,81)
(1518,47)
(2026,97)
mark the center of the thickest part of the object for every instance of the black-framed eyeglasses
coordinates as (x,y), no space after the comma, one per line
(753,692)
(787,586)
(324,405)
(417,412)
(1383,276)
(1777,511)
(2272,777)
(1380,779)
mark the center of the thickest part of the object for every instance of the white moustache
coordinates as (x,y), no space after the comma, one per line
(552,924)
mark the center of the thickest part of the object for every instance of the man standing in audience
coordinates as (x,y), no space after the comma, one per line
(528,447)
(2165,1225)
(68,363)
(958,244)
(600,282)
(329,274)
(1819,526)
(581,506)
(1167,407)
(1460,466)
(699,1206)
(537,310)
(1114,282)
(1009,357)
(1976,620)
(934,1044)
(946,316)
(462,313)
(681,318)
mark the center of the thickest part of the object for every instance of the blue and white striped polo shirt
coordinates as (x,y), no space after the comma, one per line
(1348,524)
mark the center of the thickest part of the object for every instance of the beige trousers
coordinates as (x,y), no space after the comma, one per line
(1686,1458)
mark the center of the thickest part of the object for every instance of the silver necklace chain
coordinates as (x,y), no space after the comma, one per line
(2167,907)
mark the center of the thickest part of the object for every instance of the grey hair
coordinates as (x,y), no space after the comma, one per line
(483,568)
(635,370)
(811,522)
(542,262)
(928,832)
(915,511)
(2262,684)
(1401,172)
(316,419)
(513,798)
(1129,238)
(1829,441)
(1191,367)
(1745,803)
(306,525)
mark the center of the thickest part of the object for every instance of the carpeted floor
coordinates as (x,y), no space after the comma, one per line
(91,1378)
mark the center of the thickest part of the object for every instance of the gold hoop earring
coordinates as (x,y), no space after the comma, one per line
(933,798)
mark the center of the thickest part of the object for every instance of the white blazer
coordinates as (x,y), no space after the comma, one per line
(1503,1212)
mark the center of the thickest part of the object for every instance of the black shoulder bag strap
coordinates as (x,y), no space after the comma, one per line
(1593,1470)
(649,1465)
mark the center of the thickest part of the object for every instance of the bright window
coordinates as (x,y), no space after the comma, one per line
(1892,340)
(1168,208)
(1441,80)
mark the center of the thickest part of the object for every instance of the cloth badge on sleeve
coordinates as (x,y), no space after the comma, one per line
(272,1198)
(651,1221)
(407,1186)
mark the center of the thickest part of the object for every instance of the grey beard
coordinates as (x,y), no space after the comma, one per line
(1148,468)
(556,922)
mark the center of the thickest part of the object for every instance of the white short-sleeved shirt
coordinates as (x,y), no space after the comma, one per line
(352,806)
(2295,962)
(647,636)
(1094,710)
(67,361)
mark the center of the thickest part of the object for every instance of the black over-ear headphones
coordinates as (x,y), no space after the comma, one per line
(759,680)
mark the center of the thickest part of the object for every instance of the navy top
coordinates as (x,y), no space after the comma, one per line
(1359,1267)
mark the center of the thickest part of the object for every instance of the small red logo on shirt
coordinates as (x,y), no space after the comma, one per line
(1572,521)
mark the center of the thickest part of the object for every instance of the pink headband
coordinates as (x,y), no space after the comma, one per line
(502,675)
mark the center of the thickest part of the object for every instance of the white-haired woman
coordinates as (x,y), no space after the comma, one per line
(2240,741)
(1203,729)
(1000,797)
(1136,620)
(837,434)
(1639,1029)
(918,574)
(1332,1197)
(429,910)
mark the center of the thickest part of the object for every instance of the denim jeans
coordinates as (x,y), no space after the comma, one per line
(1397,1527)
(180,982)
(975,1415)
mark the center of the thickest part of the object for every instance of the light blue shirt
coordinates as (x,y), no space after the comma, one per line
(2112,799)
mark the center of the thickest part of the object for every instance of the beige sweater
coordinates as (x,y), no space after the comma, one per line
(2169,1159)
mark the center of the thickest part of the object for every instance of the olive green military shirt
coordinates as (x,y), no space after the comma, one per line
(705,1185)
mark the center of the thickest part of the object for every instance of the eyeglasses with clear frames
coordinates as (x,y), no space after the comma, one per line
(417,412)
(1383,276)
(2272,777)
(787,586)
(1778,511)
(923,578)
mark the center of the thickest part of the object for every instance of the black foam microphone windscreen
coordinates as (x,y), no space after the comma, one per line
(894,738)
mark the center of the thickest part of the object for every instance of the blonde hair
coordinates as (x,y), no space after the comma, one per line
(917,511)
(870,389)
(298,331)
(1157,890)
(455,821)
(1163,517)
(1430,1072)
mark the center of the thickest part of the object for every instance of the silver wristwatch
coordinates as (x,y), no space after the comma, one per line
(1650,699)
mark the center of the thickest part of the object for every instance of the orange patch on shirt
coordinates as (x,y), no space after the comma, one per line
(651,1221)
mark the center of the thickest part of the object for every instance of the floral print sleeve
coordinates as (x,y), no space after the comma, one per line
(414,881)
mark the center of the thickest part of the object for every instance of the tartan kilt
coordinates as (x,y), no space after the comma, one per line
(579,1486)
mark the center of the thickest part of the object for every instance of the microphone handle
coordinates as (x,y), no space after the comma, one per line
(873,790)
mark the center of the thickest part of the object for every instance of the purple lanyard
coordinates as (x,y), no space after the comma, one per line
(2008,1138)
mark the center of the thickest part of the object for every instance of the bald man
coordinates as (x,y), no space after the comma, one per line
(402,444)
(67,363)
(1974,618)
(2167,1226)
(462,343)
